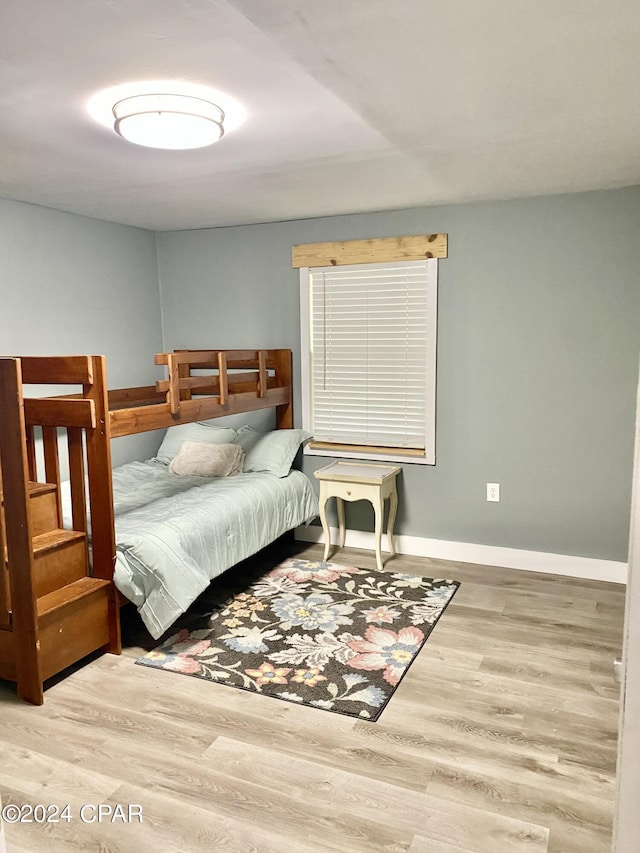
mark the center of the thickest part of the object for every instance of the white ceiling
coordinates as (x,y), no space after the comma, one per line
(353,105)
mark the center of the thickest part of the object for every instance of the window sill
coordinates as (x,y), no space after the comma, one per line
(379,455)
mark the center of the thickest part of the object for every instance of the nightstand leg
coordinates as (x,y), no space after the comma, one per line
(378,508)
(340,507)
(393,508)
(325,526)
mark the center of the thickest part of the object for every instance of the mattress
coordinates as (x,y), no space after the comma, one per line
(175,534)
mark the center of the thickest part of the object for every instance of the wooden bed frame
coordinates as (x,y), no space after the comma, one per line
(56,606)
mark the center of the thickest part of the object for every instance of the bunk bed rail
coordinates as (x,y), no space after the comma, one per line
(237,381)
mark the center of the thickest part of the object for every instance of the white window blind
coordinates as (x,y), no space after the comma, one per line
(372,354)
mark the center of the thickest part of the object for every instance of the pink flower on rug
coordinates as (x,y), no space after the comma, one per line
(381,614)
(384,649)
(190,646)
(267,674)
(182,663)
(308,677)
(198,648)
(300,571)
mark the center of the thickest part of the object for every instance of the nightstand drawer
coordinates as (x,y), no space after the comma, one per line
(349,491)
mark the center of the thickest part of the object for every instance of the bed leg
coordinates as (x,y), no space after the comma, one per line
(29,685)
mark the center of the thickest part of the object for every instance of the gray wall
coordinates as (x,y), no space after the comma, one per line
(71,285)
(539,321)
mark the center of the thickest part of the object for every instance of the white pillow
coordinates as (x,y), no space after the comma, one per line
(203,459)
(272,452)
(177,435)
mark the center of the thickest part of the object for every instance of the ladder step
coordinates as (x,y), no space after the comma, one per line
(54,540)
(43,507)
(73,622)
(60,557)
(36,489)
(72,592)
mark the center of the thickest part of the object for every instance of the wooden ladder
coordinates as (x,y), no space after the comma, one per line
(52,612)
(72,608)
(73,611)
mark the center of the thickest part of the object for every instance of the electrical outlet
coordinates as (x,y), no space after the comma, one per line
(493,491)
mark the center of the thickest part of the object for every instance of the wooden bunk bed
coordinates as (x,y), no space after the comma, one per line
(56,604)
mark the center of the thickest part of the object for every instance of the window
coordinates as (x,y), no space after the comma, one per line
(369,359)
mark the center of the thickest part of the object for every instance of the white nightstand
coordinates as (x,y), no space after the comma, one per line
(356,481)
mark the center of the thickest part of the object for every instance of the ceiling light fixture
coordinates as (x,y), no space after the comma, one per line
(168,121)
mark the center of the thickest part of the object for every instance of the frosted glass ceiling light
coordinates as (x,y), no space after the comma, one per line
(168,121)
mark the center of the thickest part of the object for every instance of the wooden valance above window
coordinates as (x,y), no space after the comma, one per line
(377,250)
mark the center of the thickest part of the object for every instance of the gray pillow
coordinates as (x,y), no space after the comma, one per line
(272,452)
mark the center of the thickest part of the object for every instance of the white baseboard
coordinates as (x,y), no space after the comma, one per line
(587,568)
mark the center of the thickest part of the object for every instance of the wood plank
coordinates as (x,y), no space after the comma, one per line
(99,473)
(262,367)
(37,489)
(360,448)
(53,540)
(238,383)
(420,844)
(56,370)
(341,790)
(209,384)
(184,372)
(173,392)
(236,359)
(74,628)
(76,478)
(206,358)
(376,250)
(43,510)
(31,452)
(131,421)
(50,604)
(52,465)
(165,830)
(57,411)
(7,655)
(103,539)
(5,598)
(222,378)
(15,478)
(144,394)
(60,559)
(191,383)
(283,364)
(5,595)
(56,776)
(250,799)
(521,801)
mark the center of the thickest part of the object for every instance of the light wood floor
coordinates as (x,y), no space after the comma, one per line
(501,739)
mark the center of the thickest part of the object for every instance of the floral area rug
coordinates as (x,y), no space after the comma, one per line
(335,637)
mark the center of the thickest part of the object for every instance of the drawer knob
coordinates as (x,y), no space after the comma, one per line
(348,491)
